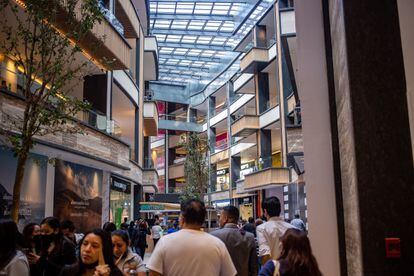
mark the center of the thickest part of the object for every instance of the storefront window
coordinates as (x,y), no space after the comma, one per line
(246,207)
(120,201)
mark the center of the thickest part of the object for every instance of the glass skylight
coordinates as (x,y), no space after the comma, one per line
(196,38)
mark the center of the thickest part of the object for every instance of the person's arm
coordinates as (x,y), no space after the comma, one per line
(227,266)
(253,264)
(156,261)
(19,267)
(264,249)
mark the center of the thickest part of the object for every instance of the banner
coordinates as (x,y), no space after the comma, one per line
(32,196)
(78,195)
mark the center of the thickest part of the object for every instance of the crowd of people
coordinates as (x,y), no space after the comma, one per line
(265,247)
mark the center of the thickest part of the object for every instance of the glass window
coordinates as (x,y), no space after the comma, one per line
(120,201)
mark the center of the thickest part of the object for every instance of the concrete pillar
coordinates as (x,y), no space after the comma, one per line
(262,91)
(265,148)
(318,152)
(235,164)
(213,177)
(374,140)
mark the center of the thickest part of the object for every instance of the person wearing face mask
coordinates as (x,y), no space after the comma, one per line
(95,258)
(55,250)
(125,259)
(31,243)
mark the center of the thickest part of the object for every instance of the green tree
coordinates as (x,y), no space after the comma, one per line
(49,60)
(195,168)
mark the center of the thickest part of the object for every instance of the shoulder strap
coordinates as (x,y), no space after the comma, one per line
(277,268)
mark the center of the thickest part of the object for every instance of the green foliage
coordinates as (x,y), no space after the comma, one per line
(195,168)
(49,62)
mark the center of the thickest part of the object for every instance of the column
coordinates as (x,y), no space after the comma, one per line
(235,165)
(262,91)
(213,177)
(376,163)
(325,226)
(265,147)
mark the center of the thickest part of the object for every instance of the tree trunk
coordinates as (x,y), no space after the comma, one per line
(18,182)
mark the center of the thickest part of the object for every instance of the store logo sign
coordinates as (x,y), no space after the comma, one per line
(152,207)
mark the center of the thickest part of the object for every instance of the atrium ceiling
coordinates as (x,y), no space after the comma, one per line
(196,39)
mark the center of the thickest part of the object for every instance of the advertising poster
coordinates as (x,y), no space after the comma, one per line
(32,196)
(78,195)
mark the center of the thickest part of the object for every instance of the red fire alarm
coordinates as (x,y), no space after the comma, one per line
(393,248)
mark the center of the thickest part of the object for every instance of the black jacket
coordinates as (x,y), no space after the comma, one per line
(73,270)
(52,264)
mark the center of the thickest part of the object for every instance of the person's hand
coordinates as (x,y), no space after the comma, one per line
(32,258)
(102,269)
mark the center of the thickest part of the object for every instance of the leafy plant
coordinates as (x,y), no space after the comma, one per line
(49,60)
(195,168)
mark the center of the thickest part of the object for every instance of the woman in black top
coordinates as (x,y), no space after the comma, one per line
(96,257)
(55,250)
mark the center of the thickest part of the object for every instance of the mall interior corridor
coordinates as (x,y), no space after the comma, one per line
(258,121)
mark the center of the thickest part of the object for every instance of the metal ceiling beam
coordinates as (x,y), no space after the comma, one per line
(202,1)
(184,75)
(180,16)
(194,46)
(190,32)
(183,67)
(206,59)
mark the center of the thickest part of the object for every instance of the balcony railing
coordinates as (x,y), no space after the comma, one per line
(176,171)
(111,18)
(271,176)
(175,190)
(219,109)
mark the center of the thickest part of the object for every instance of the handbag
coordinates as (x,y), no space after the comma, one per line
(277,268)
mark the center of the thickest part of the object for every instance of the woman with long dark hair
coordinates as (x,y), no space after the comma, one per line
(12,261)
(95,258)
(125,259)
(296,258)
(31,243)
(55,250)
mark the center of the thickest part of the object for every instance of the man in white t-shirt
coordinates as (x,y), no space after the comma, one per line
(191,251)
(269,233)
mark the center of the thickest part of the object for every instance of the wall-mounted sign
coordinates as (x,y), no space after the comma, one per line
(121,186)
(151,207)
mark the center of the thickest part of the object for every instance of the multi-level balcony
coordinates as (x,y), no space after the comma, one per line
(150,178)
(176,171)
(150,58)
(255,60)
(265,178)
(245,126)
(150,118)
